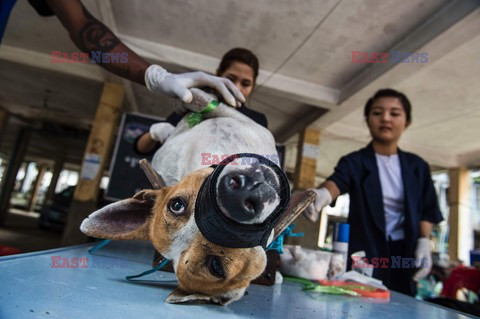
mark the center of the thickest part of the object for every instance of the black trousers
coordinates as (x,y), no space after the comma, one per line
(400,279)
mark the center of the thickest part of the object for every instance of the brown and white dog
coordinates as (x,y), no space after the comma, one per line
(176,218)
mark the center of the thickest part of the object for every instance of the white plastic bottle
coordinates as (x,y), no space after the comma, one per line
(340,242)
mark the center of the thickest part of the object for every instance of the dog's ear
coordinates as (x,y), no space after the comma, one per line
(125,219)
(181,296)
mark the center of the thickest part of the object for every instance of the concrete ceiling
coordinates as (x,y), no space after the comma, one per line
(306,73)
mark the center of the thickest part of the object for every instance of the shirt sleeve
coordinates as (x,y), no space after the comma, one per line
(258,117)
(263,121)
(174,118)
(431,210)
(342,176)
(41,7)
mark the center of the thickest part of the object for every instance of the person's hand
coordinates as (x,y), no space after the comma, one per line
(423,258)
(200,100)
(161,131)
(157,79)
(323,199)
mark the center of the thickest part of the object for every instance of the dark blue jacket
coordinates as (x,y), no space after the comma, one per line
(357,174)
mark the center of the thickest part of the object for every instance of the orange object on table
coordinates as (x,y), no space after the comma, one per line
(361,289)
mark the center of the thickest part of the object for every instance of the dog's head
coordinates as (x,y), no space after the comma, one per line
(207,270)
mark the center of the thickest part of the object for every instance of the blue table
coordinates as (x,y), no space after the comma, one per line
(31,288)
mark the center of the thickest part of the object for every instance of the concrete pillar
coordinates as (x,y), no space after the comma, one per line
(307,153)
(18,153)
(3,122)
(94,160)
(27,178)
(36,188)
(305,173)
(460,238)
(57,169)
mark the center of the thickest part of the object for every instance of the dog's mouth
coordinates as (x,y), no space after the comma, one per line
(241,201)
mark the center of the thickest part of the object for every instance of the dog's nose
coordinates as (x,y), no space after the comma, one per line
(248,193)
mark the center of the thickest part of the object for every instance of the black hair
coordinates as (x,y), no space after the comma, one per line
(239,55)
(407,107)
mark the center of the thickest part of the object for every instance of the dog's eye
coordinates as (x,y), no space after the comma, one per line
(215,266)
(177,206)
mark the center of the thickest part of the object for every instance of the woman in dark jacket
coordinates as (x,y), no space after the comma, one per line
(392,199)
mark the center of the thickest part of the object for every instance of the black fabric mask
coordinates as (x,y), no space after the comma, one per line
(224,231)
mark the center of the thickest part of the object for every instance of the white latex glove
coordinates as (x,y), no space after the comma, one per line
(423,258)
(157,79)
(161,131)
(323,199)
(198,103)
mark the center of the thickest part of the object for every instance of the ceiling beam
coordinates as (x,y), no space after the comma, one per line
(88,71)
(469,159)
(283,86)
(299,90)
(450,14)
(297,124)
(454,24)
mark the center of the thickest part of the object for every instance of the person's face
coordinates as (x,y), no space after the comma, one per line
(242,76)
(387,120)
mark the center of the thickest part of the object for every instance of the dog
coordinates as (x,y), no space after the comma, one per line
(213,223)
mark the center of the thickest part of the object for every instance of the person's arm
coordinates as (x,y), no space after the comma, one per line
(430,215)
(425,229)
(89,35)
(157,134)
(327,192)
(337,184)
(423,252)
(332,189)
(145,144)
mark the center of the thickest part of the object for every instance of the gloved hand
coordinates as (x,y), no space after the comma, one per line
(423,258)
(157,79)
(323,199)
(161,131)
(198,103)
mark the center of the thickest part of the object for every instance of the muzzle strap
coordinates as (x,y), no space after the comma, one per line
(222,230)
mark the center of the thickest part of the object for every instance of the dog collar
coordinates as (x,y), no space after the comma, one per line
(222,230)
(194,118)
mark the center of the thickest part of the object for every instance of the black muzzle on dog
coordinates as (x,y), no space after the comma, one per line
(219,228)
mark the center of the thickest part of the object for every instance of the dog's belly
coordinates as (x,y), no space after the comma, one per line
(189,149)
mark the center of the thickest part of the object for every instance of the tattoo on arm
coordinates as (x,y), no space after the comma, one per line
(95,36)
